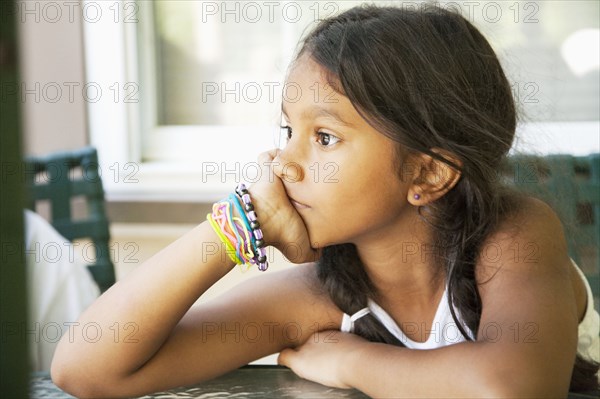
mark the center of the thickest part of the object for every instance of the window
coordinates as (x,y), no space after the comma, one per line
(206,79)
(216,72)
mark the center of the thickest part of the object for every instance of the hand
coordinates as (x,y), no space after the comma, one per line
(280,222)
(322,357)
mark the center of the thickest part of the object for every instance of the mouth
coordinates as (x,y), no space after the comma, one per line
(298,205)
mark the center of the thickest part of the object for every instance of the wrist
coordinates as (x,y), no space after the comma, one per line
(215,248)
(352,364)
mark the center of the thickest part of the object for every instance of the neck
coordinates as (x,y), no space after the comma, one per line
(398,258)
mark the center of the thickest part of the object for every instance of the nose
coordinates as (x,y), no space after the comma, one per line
(287,165)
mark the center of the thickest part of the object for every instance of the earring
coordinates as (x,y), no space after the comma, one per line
(417,196)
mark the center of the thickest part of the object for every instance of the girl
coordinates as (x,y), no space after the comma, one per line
(415,113)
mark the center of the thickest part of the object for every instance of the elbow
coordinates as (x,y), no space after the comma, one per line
(73,371)
(67,378)
(60,372)
(79,381)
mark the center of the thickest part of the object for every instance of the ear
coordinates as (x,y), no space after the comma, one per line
(433,178)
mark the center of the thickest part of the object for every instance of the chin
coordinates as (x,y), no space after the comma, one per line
(321,241)
(326,233)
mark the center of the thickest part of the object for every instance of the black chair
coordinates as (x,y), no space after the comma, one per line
(60,177)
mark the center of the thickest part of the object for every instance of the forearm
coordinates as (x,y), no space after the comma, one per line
(462,370)
(136,315)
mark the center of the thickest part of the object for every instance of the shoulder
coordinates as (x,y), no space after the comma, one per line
(527,297)
(529,317)
(525,261)
(523,270)
(530,240)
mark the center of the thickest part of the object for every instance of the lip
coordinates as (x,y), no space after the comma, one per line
(298,205)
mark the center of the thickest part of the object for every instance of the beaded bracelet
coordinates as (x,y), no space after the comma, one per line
(259,242)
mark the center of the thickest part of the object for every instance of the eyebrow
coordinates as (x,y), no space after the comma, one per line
(317,111)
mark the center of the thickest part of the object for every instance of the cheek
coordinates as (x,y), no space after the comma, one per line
(345,223)
(347,209)
(351,196)
(328,221)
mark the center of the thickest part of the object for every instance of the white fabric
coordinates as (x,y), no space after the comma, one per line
(348,321)
(588,343)
(443,329)
(445,332)
(59,285)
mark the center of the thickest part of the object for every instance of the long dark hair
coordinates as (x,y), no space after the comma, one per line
(427,78)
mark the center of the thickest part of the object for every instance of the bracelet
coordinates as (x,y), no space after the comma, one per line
(231,231)
(244,227)
(259,242)
(229,248)
(241,235)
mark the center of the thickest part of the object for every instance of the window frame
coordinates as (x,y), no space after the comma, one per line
(116,127)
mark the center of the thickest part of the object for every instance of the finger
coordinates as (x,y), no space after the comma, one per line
(265,157)
(266,164)
(284,357)
(268,156)
(274,152)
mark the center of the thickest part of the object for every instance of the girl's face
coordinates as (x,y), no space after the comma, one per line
(338,169)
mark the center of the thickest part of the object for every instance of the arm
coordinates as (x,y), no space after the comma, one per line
(150,301)
(526,341)
(141,336)
(166,345)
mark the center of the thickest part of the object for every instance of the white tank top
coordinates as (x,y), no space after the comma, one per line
(444,330)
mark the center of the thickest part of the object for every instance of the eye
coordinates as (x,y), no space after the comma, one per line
(327,140)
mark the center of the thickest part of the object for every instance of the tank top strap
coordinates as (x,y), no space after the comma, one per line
(348,321)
